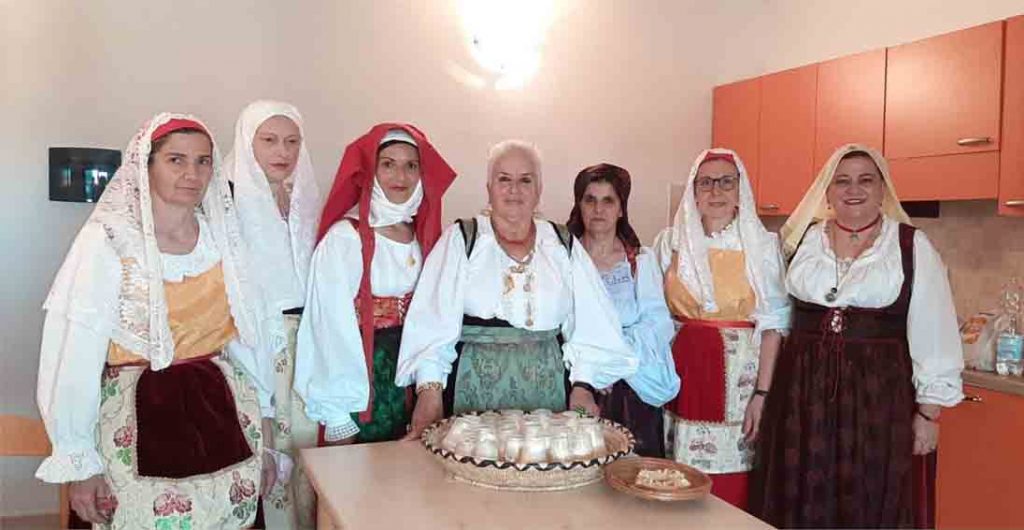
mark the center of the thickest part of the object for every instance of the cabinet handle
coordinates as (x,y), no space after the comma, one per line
(978,140)
(1014,202)
(971,398)
(769,206)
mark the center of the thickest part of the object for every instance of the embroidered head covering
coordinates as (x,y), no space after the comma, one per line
(621,182)
(814,206)
(690,243)
(280,249)
(353,188)
(125,214)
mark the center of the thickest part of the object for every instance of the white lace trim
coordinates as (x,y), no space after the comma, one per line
(177,266)
(334,433)
(69,467)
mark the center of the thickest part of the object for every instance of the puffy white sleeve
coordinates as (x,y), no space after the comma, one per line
(594,350)
(663,250)
(655,381)
(80,315)
(433,324)
(259,368)
(774,309)
(330,367)
(932,330)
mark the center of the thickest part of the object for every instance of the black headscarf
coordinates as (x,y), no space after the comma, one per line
(620,181)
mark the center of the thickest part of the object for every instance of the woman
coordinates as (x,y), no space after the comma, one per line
(633,281)
(278,205)
(723,283)
(483,329)
(150,340)
(873,356)
(382,216)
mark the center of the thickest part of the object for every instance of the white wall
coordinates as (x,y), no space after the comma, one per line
(622,81)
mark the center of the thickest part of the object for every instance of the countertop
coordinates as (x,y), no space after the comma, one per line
(993,381)
(400,485)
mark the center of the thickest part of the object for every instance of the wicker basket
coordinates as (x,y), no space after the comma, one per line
(501,475)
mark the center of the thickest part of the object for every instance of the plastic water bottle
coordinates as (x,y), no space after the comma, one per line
(1010,344)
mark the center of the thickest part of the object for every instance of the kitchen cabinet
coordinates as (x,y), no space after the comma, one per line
(980,459)
(1011,154)
(735,117)
(850,104)
(786,139)
(942,102)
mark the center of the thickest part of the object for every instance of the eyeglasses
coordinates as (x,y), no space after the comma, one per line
(726,183)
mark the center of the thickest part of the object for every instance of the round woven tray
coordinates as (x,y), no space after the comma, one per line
(500,475)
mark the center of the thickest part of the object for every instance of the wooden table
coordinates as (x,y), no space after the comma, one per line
(399,485)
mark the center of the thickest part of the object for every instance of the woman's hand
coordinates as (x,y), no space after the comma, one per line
(581,398)
(269,464)
(752,418)
(269,475)
(926,432)
(92,499)
(429,408)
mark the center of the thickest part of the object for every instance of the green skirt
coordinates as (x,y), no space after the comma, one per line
(390,413)
(508,368)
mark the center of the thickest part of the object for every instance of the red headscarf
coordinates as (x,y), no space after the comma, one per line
(353,185)
(175,124)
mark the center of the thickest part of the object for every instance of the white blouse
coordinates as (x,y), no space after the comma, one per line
(330,367)
(565,294)
(73,354)
(646,326)
(873,280)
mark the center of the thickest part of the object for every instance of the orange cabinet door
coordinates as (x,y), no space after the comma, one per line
(943,97)
(736,112)
(851,104)
(1011,156)
(786,139)
(981,456)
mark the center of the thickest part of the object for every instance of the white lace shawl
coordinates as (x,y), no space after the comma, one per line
(761,249)
(124,213)
(281,248)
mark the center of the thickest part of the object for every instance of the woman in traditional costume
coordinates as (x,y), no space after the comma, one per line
(278,204)
(873,357)
(632,278)
(506,305)
(151,384)
(723,284)
(381,217)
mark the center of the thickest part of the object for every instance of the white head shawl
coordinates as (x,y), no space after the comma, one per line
(125,214)
(690,244)
(814,206)
(383,212)
(280,249)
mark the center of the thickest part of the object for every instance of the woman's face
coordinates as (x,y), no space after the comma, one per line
(181,169)
(398,171)
(856,190)
(276,146)
(716,190)
(513,186)
(600,208)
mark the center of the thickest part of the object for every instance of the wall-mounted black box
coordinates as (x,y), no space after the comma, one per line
(80,174)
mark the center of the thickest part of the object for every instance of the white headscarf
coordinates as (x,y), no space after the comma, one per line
(383,212)
(814,206)
(125,213)
(690,244)
(279,249)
